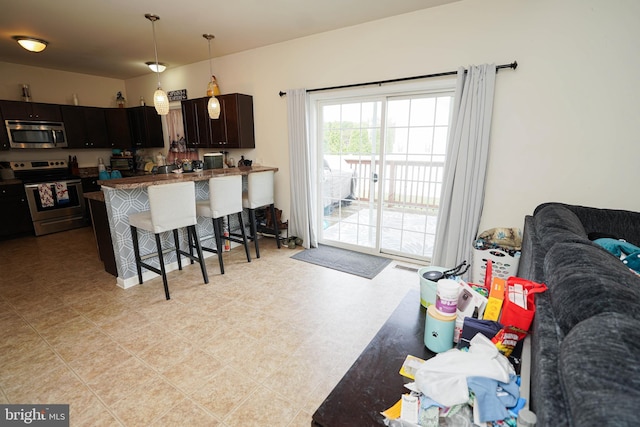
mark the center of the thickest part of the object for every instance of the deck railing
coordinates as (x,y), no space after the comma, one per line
(408,183)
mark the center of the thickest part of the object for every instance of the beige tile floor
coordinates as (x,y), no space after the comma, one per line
(261,345)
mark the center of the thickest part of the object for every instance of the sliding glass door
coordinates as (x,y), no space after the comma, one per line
(349,182)
(382,162)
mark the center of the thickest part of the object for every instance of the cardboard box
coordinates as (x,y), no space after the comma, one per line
(470,302)
(496,297)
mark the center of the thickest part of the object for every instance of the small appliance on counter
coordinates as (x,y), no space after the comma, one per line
(122,163)
(164,169)
(187,166)
(213,161)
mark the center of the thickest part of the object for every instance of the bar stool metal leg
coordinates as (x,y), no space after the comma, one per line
(253,229)
(136,252)
(192,233)
(276,230)
(218,234)
(244,236)
(176,242)
(162,269)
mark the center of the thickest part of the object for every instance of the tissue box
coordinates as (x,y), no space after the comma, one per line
(496,296)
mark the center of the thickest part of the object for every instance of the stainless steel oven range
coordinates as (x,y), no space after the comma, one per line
(55,196)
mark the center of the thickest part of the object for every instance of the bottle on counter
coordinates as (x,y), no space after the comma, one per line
(161,160)
(75,170)
(26,93)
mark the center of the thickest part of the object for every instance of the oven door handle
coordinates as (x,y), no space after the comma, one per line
(68,182)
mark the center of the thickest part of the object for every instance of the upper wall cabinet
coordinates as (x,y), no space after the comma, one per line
(195,118)
(118,129)
(86,127)
(90,127)
(20,110)
(146,127)
(233,129)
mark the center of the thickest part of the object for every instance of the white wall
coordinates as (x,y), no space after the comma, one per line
(566,122)
(565,125)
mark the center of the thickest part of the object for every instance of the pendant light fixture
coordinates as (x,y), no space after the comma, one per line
(160,99)
(213,106)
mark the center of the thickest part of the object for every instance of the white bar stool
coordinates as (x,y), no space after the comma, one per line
(225,198)
(171,206)
(260,193)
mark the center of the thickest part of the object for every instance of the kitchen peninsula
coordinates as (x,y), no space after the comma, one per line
(124,196)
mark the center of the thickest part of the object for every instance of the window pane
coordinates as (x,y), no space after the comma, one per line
(423,112)
(398,114)
(442,110)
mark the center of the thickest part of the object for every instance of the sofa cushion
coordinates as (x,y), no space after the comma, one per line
(599,369)
(556,223)
(585,280)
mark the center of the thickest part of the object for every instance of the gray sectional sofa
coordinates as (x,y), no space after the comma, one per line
(585,338)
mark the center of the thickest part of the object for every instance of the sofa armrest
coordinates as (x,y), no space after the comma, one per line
(616,222)
(531,264)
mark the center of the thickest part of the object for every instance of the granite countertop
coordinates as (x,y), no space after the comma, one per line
(147,180)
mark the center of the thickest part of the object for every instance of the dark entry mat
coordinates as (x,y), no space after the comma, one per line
(356,263)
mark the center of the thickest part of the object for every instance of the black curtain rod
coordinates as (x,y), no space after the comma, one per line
(513,66)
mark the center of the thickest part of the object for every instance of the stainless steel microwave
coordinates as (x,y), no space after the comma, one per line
(36,134)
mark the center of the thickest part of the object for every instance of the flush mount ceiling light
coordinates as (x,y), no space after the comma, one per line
(213,106)
(160,99)
(156,68)
(31,44)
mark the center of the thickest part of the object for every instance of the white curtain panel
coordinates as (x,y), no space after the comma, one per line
(465,166)
(174,125)
(303,206)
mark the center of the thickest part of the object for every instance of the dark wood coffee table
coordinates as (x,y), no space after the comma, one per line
(373,383)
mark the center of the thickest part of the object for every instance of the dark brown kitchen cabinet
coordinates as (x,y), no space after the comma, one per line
(234,128)
(15,218)
(118,130)
(197,131)
(86,127)
(146,127)
(20,110)
(4,137)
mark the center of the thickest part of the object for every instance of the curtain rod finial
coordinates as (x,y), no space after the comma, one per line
(281,93)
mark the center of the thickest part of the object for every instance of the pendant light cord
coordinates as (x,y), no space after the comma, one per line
(210,69)
(155,47)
